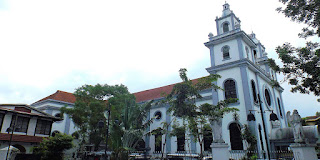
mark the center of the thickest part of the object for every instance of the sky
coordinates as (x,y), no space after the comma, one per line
(47,46)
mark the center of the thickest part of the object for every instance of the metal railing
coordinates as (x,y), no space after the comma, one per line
(243,154)
(234,155)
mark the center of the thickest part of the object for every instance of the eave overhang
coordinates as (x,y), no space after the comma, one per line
(229,36)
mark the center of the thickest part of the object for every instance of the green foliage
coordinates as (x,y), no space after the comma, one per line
(52,148)
(274,84)
(304,11)
(251,140)
(182,100)
(216,112)
(119,154)
(178,131)
(301,66)
(126,118)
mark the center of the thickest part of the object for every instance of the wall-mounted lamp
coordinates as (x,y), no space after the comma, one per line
(251,117)
(273,116)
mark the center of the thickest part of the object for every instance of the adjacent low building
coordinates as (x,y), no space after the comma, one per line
(29,126)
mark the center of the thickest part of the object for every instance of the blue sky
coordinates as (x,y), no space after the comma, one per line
(60,45)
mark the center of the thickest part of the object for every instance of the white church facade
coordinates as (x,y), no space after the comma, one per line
(241,61)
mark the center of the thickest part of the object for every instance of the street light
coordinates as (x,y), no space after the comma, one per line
(101,125)
(11,129)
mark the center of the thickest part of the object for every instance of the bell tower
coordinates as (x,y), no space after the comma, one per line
(241,61)
(228,21)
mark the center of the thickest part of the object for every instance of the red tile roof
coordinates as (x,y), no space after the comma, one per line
(61,96)
(153,93)
(20,138)
(141,96)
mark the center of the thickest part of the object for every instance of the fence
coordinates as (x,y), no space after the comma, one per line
(234,155)
(243,154)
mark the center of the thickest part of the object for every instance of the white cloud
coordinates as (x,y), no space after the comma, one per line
(63,44)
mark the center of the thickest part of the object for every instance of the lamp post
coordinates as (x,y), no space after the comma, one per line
(273,117)
(11,129)
(101,125)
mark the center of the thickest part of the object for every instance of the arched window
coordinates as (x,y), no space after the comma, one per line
(225,51)
(58,115)
(247,52)
(254,92)
(279,106)
(20,147)
(158,142)
(141,145)
(54,133)
(230,89)
(225,27)
(267,96)
(255,55)
(181,142)
(158,115)
(235,137)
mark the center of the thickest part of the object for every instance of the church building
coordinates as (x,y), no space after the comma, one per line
(241,61)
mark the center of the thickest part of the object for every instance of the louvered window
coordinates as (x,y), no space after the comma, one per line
(21,125)
(230,89)
(254,92)
(225,52)
(43,127)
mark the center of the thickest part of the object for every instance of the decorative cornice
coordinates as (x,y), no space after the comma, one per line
(229,36)
(48,107)
(243,62)
(217,19)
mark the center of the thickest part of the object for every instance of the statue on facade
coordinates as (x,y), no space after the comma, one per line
(295,122)
(216,126)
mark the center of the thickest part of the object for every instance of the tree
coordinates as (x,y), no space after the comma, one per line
(89,109)
(52,148)
(182,100)
(301,65)
(303,11)
(125,121)
(251,140)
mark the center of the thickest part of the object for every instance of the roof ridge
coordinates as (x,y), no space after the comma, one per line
(141,95)
(167,85)
(155,88)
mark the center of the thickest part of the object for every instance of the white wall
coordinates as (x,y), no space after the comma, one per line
(234,53)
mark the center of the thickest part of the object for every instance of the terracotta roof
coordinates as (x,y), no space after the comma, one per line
(153,93)
(20,138)
(61,96)
(141,96)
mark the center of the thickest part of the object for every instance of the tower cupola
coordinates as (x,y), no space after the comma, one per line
(226,10)
(228,21)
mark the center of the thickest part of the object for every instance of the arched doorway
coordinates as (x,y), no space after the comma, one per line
(141,145)
(20,147)
(54,133)
(235,136)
